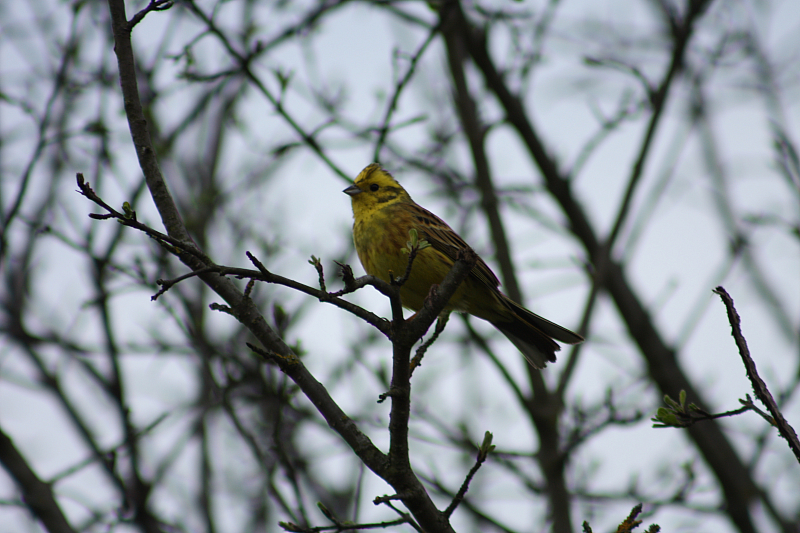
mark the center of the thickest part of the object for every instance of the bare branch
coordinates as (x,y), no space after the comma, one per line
(759,387)
(37,494)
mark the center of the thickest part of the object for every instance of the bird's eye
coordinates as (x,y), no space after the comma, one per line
(374,187)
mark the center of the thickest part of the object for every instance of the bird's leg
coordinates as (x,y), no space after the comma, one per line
(432,293)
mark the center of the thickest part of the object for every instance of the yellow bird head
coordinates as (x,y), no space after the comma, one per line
(375,188)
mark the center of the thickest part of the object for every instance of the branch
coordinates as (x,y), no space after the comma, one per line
(483,452)
(398,90)
(475,132)
(244,62)
(128,218)
(629,524)
(680,415)
(137,123)
(242,307)
(36,494)
(154,5)
(342,525)
(441,322)
(759,387)
(405,334)
(351,285)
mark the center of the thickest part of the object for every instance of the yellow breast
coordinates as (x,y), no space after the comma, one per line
(380,240)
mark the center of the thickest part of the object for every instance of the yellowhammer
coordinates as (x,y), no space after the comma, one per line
(384,213)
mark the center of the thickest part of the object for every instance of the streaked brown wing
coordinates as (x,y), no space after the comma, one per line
(443,239)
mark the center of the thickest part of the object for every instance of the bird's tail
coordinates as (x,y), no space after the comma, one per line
(533,335)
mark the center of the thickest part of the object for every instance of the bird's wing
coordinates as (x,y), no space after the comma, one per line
(443,239)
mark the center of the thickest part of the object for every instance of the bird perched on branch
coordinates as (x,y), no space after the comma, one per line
(385,215)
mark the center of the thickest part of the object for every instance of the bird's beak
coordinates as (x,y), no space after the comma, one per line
(352,190)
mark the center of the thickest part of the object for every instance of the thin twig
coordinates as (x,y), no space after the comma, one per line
(154,5)
(441,322)
(398,90)
(129,219)
(483,452)
(759,387)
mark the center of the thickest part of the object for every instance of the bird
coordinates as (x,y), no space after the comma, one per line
(384,214)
